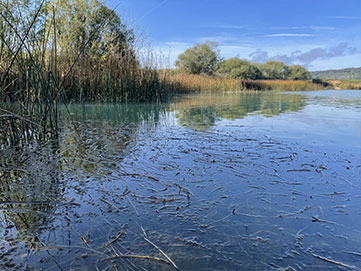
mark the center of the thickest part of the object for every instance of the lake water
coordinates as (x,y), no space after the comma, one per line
(246,181)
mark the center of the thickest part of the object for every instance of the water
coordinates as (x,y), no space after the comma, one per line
(248,181)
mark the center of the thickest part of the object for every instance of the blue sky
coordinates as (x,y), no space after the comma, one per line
(319,34)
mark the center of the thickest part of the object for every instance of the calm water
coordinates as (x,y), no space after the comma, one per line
(250,181)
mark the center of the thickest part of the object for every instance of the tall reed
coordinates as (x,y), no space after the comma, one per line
(37,75)
(28,90)
(190,83)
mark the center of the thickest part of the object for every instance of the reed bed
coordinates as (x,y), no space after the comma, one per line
(290,85)
(186,83)
(37,75)
(29,94)
(115,79)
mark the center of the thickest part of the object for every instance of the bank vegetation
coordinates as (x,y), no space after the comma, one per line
(186,83)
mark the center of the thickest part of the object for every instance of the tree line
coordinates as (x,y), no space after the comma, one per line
(205,59)
(342,74)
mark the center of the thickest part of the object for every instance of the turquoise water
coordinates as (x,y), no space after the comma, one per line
(247,181)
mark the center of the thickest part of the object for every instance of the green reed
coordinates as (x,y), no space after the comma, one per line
(37,75)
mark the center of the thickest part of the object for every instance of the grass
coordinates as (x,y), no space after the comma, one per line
(291,85)
(345,84)
(186,83)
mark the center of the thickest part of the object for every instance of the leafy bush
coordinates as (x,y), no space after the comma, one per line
(200,59)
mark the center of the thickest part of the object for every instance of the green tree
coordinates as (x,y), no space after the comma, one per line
(15,19)
(239,69)
(275,70)
(226,66)
(297,72)
(200,59)
(88,27)
(246,72)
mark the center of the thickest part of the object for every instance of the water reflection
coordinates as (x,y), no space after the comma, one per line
(29,192)
(130,113)
(203,111)
(40,186)
(100,136)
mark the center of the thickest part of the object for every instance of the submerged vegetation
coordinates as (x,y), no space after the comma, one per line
(132,187)
(97,174)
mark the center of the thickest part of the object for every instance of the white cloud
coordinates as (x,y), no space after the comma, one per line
(343,49)
(289,35)
(312,27)
(224,26)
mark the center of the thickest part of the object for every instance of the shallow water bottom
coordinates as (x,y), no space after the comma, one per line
(146,196)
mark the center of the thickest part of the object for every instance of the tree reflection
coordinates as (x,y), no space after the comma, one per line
(198,117)
(100,136)
(36,182)
(29,191)
(202,111)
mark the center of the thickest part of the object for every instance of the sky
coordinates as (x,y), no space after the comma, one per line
(318,34)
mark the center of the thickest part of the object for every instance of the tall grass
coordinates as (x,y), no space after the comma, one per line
(191,83)
(185,83)
(115,78)
(290,85)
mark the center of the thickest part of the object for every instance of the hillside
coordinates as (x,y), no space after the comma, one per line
(343,74)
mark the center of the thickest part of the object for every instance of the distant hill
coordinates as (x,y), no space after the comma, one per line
(344,74)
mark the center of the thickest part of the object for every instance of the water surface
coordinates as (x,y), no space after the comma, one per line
(246,181)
